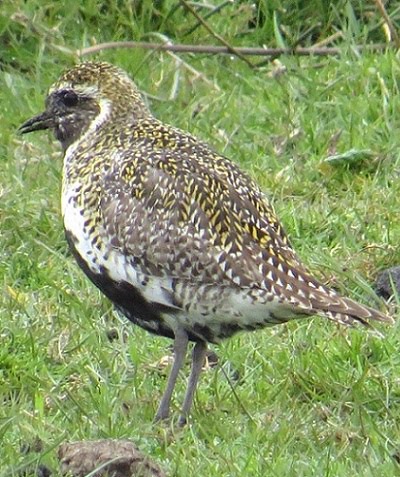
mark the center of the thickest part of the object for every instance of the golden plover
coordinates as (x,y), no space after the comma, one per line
(180,239)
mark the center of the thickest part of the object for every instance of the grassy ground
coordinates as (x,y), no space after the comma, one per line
(312,398)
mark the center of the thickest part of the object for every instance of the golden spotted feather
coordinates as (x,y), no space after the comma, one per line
(193,217)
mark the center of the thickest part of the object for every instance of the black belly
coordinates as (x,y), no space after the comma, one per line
(128,300)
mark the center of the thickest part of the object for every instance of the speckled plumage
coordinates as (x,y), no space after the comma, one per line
(180,239)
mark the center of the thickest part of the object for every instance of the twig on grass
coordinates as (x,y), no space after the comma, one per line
(214,50)
(180,62)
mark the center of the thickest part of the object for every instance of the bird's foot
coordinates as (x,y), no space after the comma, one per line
(182,420)
(162,413)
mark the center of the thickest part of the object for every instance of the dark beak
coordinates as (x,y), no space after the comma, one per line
(41,121)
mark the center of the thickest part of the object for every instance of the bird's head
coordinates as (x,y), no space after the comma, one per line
(85,97)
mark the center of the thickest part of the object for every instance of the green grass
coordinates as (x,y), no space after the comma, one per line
(312,398)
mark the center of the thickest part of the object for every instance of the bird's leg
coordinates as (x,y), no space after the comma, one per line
(198,357)
(180,348)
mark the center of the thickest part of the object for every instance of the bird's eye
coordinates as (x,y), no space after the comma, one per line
(69,98)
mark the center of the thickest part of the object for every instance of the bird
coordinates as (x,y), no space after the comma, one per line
(182,241)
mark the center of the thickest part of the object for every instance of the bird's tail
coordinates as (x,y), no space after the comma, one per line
(324,301)
(348,312)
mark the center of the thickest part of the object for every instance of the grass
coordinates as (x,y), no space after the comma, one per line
(312,398)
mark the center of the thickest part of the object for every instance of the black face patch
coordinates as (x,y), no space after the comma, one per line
(71,113)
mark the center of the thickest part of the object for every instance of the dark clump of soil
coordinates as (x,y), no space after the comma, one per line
(108,458)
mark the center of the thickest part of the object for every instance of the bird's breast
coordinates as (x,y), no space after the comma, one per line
(79,225)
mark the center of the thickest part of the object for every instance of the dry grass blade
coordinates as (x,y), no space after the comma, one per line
(231,49)
(388,22)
